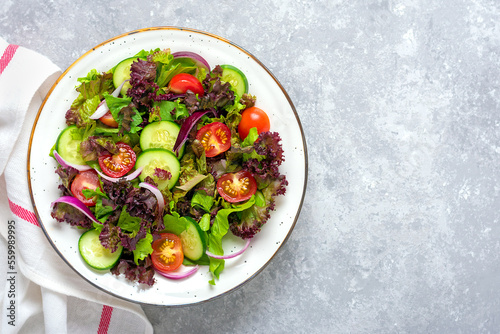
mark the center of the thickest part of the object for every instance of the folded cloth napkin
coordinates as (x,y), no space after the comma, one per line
(42,294)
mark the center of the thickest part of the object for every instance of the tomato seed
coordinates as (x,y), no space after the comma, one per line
(222,135)
(167,259)
(205,141)
(165,244)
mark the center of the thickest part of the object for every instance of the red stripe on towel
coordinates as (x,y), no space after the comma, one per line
(23,213)
(7,56)
(107,311)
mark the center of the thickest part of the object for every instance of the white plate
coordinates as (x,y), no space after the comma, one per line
(270,96)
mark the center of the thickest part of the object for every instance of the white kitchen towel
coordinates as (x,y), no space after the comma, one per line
(42,294)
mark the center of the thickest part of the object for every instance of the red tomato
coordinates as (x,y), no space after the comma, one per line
(167,252)
(183,82)
(109,120)
(85,180)
(119,164)
(253,117)
(215,138)
(236,187)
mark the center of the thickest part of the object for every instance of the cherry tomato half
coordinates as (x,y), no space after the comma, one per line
(236,187)
(85,180)
(167,252)
(109,120)
(253,117)
(117,165)
(183,82)
(215,138)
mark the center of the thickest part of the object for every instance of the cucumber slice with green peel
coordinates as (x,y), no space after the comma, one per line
(236,79)
(161,158)
(162,134)
(68,145)
(95,254)
(122,73)
(193,239)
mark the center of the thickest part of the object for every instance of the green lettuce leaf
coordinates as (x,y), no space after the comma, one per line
(143,248)
(168,111)
(218,230)
(91,91)
(201,200)
(125,114)
(127,222)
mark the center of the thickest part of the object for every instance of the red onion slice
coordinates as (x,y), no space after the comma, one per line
(156,192)
(129,177)
(76,203)
(179,273)
(199,60)
(64,163)
(230,256)
(186,127)
(102,109)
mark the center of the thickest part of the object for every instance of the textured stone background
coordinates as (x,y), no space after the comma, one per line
(399,101)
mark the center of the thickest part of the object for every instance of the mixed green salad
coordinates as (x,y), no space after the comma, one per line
(162,157)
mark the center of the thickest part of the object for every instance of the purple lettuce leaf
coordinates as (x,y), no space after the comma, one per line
(63,212)
(142,273)
(92,147)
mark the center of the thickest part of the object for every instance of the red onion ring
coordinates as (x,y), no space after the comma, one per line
(129,177)
(199,60)
(156,192)
(64,163)
(179,275)
(77,204)
(102,108)
(230,256)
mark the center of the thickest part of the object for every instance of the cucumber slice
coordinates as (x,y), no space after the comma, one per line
(236,78)
(161,134)
(95,254)
(159,158)
(68,145)
(193,240)
(122,73)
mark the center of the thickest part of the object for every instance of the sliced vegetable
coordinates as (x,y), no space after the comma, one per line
(253,117)
(95,254)
(167,252)
(236,187)
(117,165)
(180,273)
(157,193)
(109,120)
(85,180)
(68,145)
(193,240)
(159,158)
(236,79)
(77,204)
(215,138)
(103,109)
(230,256)
(199,60)
(128,177)
(64,163)
(186,127)
(183,82)
(161,134)
(121,74)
